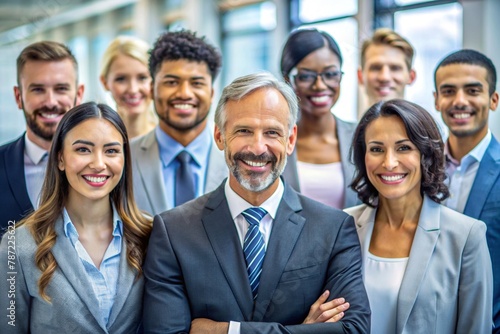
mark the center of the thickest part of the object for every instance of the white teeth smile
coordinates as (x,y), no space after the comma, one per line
(49,115)
(133,100)
(95,179)
(319,99)
(461,116)
(255,164)
(183,106)
(384,90)
(392,178)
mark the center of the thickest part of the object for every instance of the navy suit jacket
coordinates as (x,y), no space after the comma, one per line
(15,203)
(195,268)
(484,204)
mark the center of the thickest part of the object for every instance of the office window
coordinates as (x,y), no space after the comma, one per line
(318,10)
(434,28)
(337,19)
(175,19)
(246,41)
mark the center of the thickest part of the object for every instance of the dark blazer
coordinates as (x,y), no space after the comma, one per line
(484,204)
(74,307)
(15,203)
(195,268)
(345,131)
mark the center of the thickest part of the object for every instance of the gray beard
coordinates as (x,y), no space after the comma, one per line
(256,186)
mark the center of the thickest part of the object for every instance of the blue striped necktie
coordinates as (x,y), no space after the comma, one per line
(254,247)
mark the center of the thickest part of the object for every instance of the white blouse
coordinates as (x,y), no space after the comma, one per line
(322,182)
(382,278)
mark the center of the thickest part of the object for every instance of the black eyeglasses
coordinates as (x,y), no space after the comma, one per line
(305,79)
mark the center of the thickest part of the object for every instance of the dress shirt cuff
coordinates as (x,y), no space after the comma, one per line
(234,327)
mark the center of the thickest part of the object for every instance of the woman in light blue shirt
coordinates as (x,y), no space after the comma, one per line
(76,261)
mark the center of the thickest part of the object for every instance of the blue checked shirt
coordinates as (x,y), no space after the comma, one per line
(103,280)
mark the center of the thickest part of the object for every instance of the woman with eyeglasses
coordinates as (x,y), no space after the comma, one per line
(319,167)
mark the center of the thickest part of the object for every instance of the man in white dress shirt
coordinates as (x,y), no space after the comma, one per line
(253,256)
(47,87)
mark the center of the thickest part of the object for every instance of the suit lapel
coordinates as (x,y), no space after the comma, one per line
(72,268)
(15,175)
(286,230)
(421,252)
(224,240)
(488,170)
(124,285)
(290,174)
(364,227)
(150,171)
(344,135)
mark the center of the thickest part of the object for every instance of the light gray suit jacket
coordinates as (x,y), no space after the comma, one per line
(149,187)
(74,307)
(448,285)
(345,131)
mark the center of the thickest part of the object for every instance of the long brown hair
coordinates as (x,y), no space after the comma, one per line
(136,226)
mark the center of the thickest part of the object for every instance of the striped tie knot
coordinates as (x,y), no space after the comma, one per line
(254,247)
(254,215)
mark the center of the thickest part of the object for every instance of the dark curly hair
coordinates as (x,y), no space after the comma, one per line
(184,44)
(422,132)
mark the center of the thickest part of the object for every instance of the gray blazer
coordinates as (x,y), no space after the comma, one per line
(448,284)
(195,268)
(345,131)
(149,187)
(74,307)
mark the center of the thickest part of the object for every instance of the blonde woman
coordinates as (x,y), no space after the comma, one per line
(77,260)
(125,74)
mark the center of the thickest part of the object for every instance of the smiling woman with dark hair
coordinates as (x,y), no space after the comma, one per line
(319,167)
(425,267)
(79,256)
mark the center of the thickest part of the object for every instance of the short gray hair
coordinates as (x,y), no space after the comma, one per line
(247,84)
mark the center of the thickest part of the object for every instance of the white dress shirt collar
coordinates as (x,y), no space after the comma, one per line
(33,151)
(237,204)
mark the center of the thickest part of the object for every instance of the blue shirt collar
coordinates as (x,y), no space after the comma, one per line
(71,232)
(169,148)
(476,154)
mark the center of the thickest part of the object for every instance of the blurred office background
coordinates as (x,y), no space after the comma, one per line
(250,33)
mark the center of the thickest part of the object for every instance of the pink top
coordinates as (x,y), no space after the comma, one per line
(322,182)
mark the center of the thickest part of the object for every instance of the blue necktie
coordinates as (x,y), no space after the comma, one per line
(184,179)
(254,247)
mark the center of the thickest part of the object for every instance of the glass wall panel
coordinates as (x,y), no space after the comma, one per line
(318,10)
(260,16)
(409,2)
(245,54)
(246,42)
(434,32)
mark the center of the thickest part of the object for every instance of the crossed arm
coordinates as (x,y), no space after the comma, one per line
(174,292)
(321,311)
